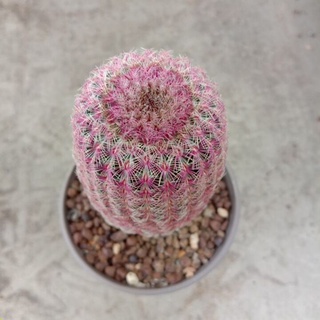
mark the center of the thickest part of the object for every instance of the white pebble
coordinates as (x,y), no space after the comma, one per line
(194,241)
(189,271)
(222,212)
(116,248)
(133,280)
(209,211)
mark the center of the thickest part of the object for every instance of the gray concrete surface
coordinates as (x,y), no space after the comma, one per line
(266,57)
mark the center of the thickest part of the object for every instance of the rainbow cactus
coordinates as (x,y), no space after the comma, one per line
(150,141)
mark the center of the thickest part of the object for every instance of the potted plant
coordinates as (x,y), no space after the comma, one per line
(150,207)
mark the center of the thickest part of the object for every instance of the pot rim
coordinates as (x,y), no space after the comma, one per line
(203,271)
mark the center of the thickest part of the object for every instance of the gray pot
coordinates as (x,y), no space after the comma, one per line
(217,257)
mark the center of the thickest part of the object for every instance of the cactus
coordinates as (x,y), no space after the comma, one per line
(149,133)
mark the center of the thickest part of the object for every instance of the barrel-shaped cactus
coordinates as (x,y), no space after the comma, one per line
(150,141)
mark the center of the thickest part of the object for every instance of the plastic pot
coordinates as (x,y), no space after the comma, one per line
(204,270)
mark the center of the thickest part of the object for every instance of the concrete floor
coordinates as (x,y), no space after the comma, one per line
(265,55)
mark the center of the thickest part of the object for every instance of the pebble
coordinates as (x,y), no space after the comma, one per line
(131,241)
(77,237)
(142,252)
(133,280)
(194,228)
(218,241)
(173,277)
(116,248)
(194,241)
(189,271)
(133,258)
(224,225)
(90,258)
(70,204)
(223,213)
(86,233)
(215,225)
(209,211)
(121,273)
(100,266)
(175,243)
(110,271)
(220,233)
(71,192)
(118,236)
(185,261)
(107,252)
(158,265)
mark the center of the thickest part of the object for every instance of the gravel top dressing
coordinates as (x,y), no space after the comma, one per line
(147,262)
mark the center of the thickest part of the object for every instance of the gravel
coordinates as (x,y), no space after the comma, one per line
(147,262)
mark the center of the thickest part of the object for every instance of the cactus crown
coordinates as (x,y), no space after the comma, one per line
(150,141)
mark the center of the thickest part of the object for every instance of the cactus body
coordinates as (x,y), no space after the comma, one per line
(150,141)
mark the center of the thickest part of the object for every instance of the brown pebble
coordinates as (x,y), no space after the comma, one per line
(70,204)
(210,244)
(118,236)
(96,222)
(205,222)
(106,227)
(116,259)
(215,225)
(218,218)
(89,224)
(184,243)
(100,266)
(86,233)
(176,243)
(131,250)
(146,270)
(169,265)
(207,253)
(181,253)
(173,277)
(185,261)
(79,206)
(169,240)
(224,225)
(121,272)
(90,258)
(72,227)
(107,252)
(131,241)
(158,265)
(130,266)
(71,192)
(169,251)
(110,271)
(102,258)
(147,260)
(77,237)
(142,252)
(194,228)
(202,242)
(157,275)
